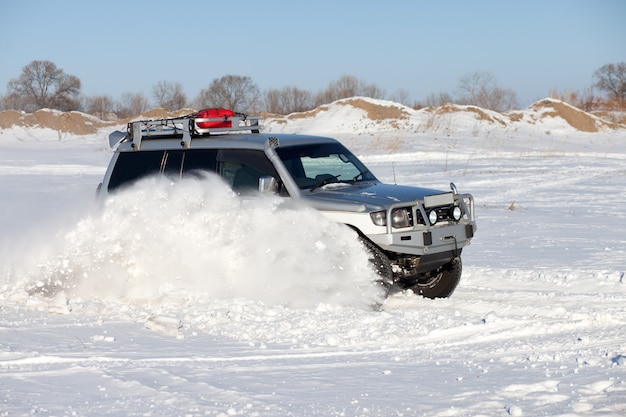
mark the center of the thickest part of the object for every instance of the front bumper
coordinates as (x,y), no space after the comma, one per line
(429,239)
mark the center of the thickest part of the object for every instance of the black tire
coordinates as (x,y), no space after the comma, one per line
(380,263)
(441,282)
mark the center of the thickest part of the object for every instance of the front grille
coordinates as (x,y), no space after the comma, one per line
(420,218)
(444,214)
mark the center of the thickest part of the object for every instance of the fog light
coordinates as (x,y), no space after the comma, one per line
(432,216)
(456,213)
(379,218)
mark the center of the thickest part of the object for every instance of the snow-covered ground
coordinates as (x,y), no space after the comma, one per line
(186,301)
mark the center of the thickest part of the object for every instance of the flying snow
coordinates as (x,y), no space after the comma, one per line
(169,242)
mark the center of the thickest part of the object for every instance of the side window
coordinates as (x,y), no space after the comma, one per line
(172,163)
(196,161)
(132,166)
(241,169)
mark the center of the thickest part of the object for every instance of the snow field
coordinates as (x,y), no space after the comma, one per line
(265,311)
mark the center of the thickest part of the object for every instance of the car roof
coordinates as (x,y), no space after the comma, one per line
(229,140)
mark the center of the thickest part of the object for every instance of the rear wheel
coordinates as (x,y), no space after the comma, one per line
(441,282)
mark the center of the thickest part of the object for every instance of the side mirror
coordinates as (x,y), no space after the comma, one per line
(268,184)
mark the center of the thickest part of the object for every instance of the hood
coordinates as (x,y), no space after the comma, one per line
(364,196)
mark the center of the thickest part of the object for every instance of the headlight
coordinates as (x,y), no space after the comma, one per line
(432,217)
(400,217)
(456,213)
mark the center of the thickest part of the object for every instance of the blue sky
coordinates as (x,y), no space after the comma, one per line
(422,47)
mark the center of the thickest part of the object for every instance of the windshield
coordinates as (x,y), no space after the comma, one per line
(313,166)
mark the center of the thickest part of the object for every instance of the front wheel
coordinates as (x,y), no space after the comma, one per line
(441,282)
(380,263)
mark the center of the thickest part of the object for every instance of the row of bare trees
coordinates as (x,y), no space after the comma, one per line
(42,85)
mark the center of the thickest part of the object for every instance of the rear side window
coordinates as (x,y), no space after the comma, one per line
(196,161)
(132,166)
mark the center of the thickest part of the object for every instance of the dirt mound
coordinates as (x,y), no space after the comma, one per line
(479,113)
(70,122)
(376,111)
(575,117)
(76,123)
(159,113)
(9,118)
(307,114)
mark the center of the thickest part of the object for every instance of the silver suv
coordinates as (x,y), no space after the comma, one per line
(415,236)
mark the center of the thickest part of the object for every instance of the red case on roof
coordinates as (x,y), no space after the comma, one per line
(224,114)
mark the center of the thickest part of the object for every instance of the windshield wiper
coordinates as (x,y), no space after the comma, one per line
(360,174)
(325,181)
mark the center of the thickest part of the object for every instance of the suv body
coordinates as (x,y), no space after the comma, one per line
(415,236)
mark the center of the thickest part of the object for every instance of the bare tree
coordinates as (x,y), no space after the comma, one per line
(433,100)
(12,102)
(100,106)
(611,78)
(480,89)
(131,104)
(288,100)
(401,96)
(345,87)
(371,91)
(168,95)
(273,102)
(41,84)
(235,92)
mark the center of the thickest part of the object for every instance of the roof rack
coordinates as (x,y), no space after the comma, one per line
(186,127)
